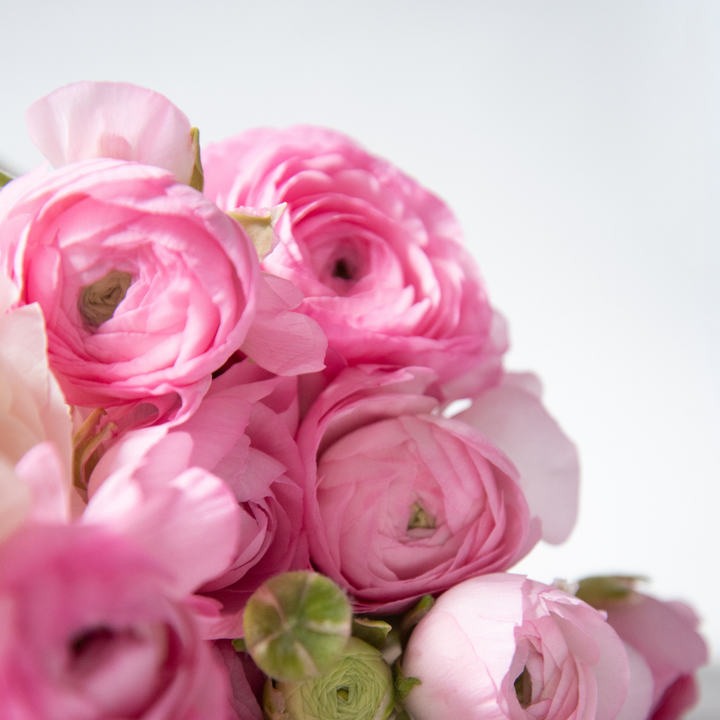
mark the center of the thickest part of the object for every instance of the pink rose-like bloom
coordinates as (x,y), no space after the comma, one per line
(666,638)
(146,286)
(377,256)
(501,647)
(401,502)
(242,432)
(92,630)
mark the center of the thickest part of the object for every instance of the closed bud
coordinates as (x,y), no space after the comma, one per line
(296,625)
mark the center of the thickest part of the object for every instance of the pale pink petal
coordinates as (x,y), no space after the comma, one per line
(190,524)
(15,501)
(514,418)
(87,120)
(639,698)
(280,340)
(42,471)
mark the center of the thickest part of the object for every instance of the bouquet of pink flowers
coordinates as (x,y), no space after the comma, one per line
(260,455)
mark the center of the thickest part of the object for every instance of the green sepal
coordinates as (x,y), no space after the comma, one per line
(197,179)
(4,178)
(373,632)
(403,685)
(239,645)
(414,616)
(602,591)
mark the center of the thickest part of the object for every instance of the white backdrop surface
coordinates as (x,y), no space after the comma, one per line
(579,144)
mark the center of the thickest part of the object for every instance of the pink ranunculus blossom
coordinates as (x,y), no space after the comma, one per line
(86,120)
(92,630)
(400,501)
(378,257)
(242,432)
(145,285)
(502,647)
(665,636)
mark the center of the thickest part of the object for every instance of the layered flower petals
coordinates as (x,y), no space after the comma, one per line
(146,287)
(377,256)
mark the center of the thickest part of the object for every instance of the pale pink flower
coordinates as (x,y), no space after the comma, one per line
(400,501)
(501,647)
(93,629)
(378,258)
(242,431)
(146,286)
(87,120)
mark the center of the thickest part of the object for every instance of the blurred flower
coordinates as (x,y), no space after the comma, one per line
(92,630)
(35,428)
(664,634)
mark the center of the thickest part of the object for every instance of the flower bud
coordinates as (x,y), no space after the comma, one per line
(296,625)
(359,686)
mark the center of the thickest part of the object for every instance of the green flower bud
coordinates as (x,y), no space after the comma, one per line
(296,625)
(358,687)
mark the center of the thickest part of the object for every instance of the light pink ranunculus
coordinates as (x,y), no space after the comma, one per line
(665,636)
(86,120)
(242,432)
(146,286)
(400,501)
(92,630)
(378,257)
(501,647)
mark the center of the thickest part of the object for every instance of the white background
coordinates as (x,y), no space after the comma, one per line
(578,142)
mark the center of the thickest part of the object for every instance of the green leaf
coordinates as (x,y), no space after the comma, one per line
(197,179)
(373,632)
(403,685)
(414,616)
(4,178)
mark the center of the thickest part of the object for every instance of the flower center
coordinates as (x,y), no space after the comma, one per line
(98,301)
(420,519)
(343,694)
(342,270)
(523,688)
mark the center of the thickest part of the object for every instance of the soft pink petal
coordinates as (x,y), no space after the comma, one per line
(42,470)
(112,120)
(516,421)
(281,340)
(189,524)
